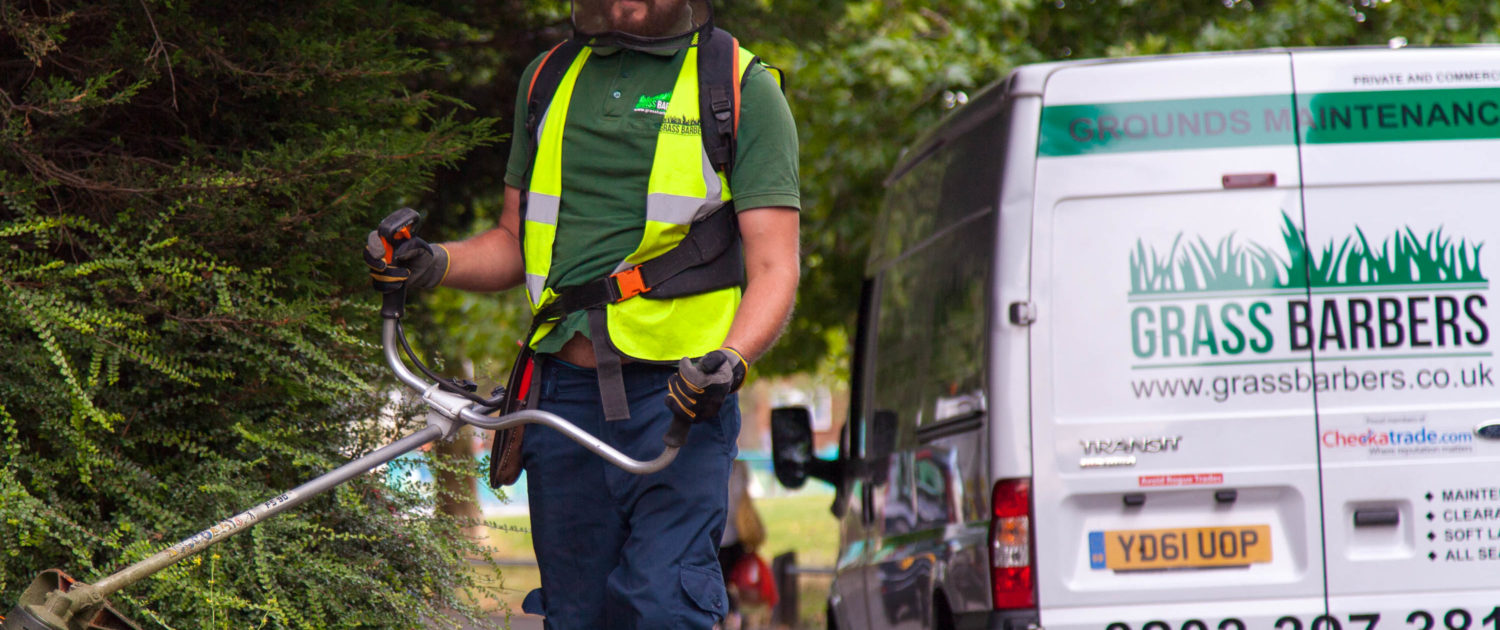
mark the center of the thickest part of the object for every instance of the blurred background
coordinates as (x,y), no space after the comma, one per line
(184,186)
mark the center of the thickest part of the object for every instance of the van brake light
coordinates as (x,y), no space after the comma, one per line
(1010,545)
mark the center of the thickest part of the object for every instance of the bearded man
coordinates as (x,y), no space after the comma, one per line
(611,174)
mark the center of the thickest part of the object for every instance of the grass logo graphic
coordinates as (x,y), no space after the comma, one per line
(1402,259)
(654,104)
(1222,303)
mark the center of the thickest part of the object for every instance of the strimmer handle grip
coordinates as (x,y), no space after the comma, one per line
(677,433)
(393,304)
(397,228)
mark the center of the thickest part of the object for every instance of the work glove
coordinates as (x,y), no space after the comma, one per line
(414,263)
(699,387)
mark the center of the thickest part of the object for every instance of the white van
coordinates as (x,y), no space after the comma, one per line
(1198,342)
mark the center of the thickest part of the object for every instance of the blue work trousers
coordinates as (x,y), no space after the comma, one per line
(619,551)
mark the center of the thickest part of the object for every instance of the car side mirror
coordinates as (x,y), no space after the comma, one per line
(791,444)
(792,449)
(883,428)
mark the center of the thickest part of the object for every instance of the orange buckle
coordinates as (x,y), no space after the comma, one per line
(629,284)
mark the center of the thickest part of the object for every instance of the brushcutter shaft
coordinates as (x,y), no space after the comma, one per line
(286,501)
(446,405)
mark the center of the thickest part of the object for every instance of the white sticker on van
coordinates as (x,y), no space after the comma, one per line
(1415,295)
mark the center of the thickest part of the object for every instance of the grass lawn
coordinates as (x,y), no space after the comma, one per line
(801,524)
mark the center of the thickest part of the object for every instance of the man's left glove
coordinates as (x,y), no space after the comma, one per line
(414,263)
(699,387)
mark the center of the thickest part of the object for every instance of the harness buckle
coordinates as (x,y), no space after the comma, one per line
(628,284)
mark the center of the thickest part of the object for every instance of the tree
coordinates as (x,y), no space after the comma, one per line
(186,332)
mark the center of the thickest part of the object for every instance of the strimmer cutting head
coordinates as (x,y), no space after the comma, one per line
(56,601)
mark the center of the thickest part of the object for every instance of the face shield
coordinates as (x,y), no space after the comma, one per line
(641,24)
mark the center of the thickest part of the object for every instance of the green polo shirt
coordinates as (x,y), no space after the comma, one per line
(608,146)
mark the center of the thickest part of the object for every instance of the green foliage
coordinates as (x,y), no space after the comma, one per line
(186,328)
(876,75)
(479,327)
(480,65)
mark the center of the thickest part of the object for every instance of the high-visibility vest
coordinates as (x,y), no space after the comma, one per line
(684,187)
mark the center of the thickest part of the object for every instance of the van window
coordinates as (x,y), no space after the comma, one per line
(946,182)
(900,513)
(937,481)
(931,306)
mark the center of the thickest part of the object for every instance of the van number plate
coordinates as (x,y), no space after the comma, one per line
(1182,548)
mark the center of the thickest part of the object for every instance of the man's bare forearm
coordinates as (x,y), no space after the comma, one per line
(490,261)
(772,270)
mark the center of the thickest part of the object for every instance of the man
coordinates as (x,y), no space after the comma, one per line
(609,180)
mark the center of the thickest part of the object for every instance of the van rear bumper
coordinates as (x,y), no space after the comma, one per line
(1014,620)
(999,620)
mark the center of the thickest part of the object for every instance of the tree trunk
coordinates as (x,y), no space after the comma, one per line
(458,494)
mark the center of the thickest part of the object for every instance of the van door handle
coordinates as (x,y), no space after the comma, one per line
(1377,517)
(1488,430)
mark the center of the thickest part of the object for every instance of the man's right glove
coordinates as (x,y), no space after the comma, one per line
(699,387)
(414,263)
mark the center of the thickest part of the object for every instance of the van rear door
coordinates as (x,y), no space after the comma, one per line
(1176,468)
(1400,156)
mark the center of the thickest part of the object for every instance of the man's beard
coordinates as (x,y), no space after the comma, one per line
(661,20)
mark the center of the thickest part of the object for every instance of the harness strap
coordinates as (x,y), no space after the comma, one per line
(706,259)
(544,84)
(608,367)
(718,103)
(719,99)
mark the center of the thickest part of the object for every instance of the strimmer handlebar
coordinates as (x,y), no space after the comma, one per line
(461,410)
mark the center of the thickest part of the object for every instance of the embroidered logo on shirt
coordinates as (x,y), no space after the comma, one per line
(654,104)
(681,126)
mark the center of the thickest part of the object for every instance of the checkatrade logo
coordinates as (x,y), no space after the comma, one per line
(1371,437)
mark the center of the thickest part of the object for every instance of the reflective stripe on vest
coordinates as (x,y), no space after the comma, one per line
(544,191)
(683,188)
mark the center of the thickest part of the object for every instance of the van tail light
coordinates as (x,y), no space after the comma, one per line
(1010,545)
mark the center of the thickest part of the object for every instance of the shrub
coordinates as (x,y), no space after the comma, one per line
(186,330)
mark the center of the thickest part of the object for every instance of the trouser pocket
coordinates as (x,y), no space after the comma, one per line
(704,590)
